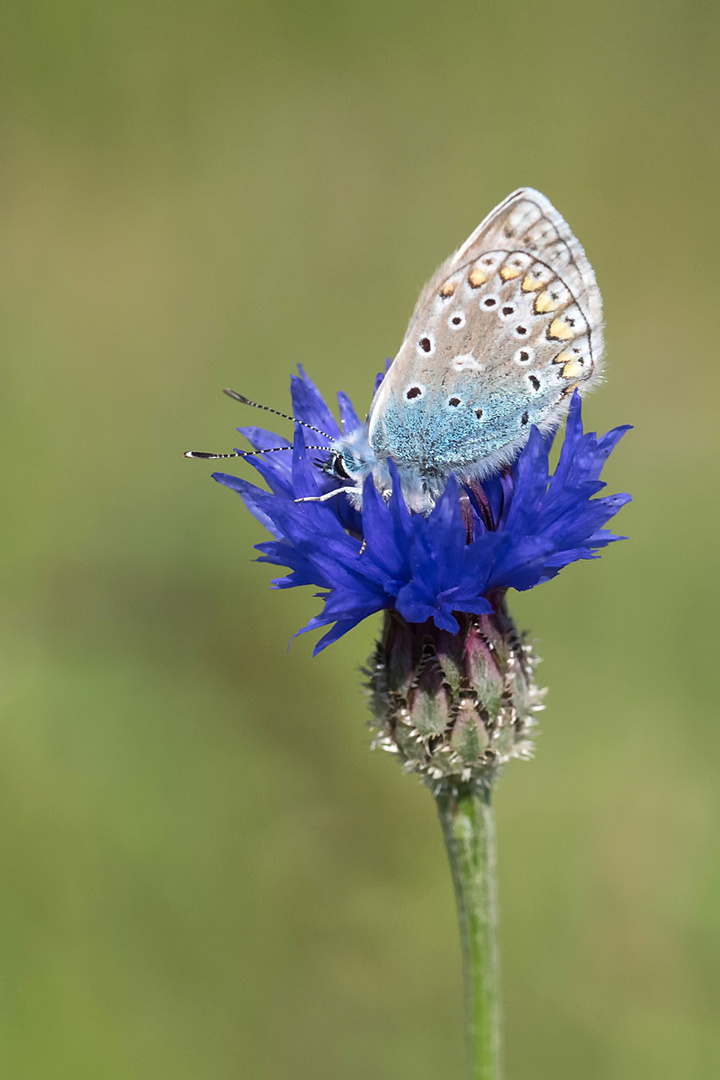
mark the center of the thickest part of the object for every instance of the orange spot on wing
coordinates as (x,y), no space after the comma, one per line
(507,273)
(573,369)
(559,330)
(531,283)
(545,303)
(477,277)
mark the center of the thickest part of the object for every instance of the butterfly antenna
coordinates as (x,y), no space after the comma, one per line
(276,412)
(243,453)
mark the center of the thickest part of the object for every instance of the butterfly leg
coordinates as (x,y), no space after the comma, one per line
(482,504)
(467,515)
(327,495)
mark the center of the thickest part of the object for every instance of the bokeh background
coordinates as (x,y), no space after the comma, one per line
(205,874)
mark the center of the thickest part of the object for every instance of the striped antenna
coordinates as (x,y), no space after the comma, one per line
(246,401)
(243,453)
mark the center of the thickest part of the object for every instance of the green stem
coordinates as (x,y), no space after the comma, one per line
(469,830)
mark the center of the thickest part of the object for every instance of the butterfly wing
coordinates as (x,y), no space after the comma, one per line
(505,330)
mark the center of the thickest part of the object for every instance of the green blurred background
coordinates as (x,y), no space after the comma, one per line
(205,874)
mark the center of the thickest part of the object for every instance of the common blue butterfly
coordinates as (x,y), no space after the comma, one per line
(502,334)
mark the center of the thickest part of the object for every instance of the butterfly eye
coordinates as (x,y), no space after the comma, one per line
(338,468)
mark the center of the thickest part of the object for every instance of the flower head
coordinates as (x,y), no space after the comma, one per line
(518,529)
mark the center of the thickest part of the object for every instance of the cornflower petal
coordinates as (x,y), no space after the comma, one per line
(424,567)
(274,467)
(309,405)
(258,502)
(350,419)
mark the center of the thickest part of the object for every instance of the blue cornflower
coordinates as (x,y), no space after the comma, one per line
(519,529)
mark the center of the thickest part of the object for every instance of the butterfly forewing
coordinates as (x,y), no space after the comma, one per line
(503,332)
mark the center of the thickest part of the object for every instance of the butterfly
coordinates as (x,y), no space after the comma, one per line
(502,334)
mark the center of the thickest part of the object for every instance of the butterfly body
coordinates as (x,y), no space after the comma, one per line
(503,333)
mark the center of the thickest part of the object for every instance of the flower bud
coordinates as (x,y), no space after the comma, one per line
(454,707)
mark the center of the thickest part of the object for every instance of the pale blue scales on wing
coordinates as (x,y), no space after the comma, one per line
(502,334)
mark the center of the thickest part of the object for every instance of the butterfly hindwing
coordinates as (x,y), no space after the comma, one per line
(506,328)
